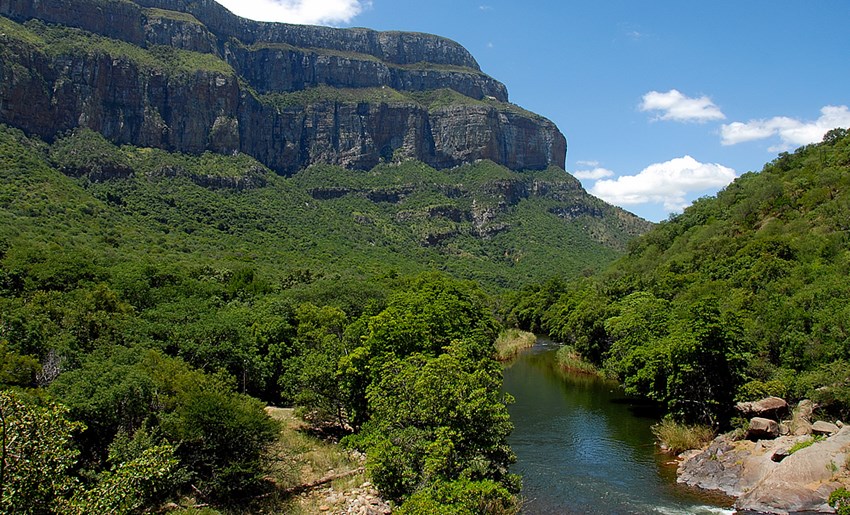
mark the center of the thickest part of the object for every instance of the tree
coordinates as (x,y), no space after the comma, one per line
(129,486)
(437,419)
(428,315)
(708,363)
(36,455)
(17,370)
(219,435)
(222,437)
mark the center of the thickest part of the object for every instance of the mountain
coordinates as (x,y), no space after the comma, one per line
(189,76)
(187,130)
(196,208)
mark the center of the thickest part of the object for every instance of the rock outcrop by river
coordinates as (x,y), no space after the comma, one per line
(766,476)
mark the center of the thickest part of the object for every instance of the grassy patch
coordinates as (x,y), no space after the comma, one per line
(328,94)
(299,459)
(12,30)
(171,15)
(511,342)
(67,41)
(569,359)
(805,443)
(677,437)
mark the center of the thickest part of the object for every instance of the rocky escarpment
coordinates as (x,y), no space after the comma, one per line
(190,77)
(126,20)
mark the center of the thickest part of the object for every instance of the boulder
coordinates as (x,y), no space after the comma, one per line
(766,478)
(762,429)
(769,407)
(824,428)
(801,418)
(804,409)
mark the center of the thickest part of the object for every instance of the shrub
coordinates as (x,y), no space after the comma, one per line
(511,342)
(461,497)
(37,455)
(569,359)
(840,500)
(676,437)
(756,389)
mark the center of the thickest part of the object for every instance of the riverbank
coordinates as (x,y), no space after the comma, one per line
(511,342)
(773,474)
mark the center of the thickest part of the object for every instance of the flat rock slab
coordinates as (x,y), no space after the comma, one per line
(744,469)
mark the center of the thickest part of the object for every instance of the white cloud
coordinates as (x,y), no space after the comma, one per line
(667,183)
(677,107)
(593,174)
(592,164)
(791,132)
(305,12)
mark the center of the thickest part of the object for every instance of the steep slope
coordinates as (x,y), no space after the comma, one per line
(190,77)
(742,296)
(478,221)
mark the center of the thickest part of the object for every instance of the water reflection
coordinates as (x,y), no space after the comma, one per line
(583,447)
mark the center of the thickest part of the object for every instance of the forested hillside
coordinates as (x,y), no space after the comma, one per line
(741,296)
(104,203)
(152,303)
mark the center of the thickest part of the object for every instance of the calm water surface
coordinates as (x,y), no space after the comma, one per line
(582,447)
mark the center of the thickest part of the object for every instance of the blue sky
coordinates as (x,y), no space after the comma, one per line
(661,101)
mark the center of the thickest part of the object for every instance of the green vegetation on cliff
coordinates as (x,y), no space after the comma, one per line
(741,296)
(58,40)
(480,221)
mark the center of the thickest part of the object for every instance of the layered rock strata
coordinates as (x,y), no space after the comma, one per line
(192,77)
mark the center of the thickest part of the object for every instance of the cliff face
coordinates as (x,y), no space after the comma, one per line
(190,76)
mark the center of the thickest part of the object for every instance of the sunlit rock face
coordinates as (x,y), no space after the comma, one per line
(192,77)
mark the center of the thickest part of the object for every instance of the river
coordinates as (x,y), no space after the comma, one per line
(583,448)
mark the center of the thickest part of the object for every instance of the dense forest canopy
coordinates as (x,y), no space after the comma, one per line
(152,304)
(741,296)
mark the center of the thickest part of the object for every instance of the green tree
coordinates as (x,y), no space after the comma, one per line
(222,438)
(428,314)
(219,435)
(17,370)
(130,486)
(36,456)
(708,364)
(437,419)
